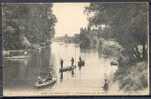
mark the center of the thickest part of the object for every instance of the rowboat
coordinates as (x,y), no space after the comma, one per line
(45,83)
(114,63)
(65,69)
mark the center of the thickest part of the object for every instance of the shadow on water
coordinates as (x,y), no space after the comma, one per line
(24,73)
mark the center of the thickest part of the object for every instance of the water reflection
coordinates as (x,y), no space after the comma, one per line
(24,73)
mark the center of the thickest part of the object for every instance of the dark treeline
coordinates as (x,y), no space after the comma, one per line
(27,24)
(126,24)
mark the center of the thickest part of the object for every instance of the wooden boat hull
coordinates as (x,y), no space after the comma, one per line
(46,83)
(114,63)
(65,69)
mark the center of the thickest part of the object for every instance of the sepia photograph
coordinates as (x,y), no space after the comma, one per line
(75,49)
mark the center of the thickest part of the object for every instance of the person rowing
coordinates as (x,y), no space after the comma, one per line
(61,75)
(49,77)
(106,85)
(40,80)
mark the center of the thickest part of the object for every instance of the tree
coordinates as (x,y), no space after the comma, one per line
(127,22)
(128,26)
(84,39)
(34,21)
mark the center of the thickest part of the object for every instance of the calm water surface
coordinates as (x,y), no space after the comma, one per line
(22,74)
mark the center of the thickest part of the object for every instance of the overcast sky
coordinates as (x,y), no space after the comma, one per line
(70,18)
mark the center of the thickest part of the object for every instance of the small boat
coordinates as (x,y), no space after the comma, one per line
(114,63)
(65,69)
(81,63)
(45,83)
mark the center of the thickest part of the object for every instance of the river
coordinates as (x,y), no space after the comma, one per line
(20,75)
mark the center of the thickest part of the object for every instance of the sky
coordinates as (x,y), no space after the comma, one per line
(70,18)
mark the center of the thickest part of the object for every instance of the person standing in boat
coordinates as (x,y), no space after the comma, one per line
(61,74)
(79,63)
(61,63)
(72,64)
(49,77)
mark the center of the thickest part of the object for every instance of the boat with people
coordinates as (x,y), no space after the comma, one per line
(67,68)
(45,82)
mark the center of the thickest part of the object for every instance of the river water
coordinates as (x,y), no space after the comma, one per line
(21,74)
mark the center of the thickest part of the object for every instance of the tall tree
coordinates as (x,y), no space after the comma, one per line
(127,24)
(35,22)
